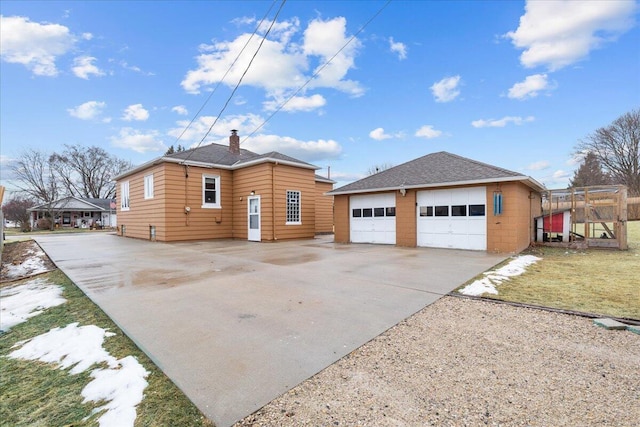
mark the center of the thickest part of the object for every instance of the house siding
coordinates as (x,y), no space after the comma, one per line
(142,212)
(324,208)
(295,179)
(166,210)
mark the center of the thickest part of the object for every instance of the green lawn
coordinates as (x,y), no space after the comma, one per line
(594,281)
(40,394)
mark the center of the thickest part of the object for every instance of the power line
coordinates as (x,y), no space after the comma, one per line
(281,106)
(255,31)
(241,78)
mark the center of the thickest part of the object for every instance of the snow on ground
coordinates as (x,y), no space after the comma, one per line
(21,302)
(34,264)
(121,385)
(493,278)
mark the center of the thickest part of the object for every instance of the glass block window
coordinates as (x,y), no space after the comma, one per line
(293,207)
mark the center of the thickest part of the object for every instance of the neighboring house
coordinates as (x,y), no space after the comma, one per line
(77,212)
(220,192)
(440,200)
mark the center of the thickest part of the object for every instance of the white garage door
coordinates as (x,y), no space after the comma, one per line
(373,218)
(452,218)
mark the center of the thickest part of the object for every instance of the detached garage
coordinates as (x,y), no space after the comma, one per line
(440,200)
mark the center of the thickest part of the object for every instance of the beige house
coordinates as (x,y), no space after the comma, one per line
(440,200)
(221,192)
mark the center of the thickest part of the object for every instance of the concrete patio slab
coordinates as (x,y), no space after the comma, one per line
(235,324)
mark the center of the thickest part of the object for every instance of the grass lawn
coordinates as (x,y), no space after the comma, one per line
(596,281)
(39,394)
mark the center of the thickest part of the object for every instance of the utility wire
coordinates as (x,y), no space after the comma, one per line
(255,31)
(281,106)
(241,78)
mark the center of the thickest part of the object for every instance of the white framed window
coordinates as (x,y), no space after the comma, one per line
(293,207)
(148,186)
(210,191)
(124,196)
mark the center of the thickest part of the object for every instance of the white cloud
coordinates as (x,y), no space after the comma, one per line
(219,133)
(304,150)
(83,66)
(309,151)
(428,132)
(34,45)
(137,141)
(283,64)
(560,174)
(446,89)
(135,112)
(180,109)
(298,103)
(90,110)
(399,48)
(540,165)
(500,123)
(530,87)
(379,135)
(86,36)
(559,33)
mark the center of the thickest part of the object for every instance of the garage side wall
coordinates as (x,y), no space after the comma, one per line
(341,216)
(406,219)
(512,231)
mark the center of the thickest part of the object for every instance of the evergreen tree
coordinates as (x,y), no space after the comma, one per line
(590,173)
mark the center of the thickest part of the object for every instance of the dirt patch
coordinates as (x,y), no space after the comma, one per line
(23,259)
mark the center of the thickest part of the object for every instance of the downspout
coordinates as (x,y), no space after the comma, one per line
(186,195)
(273,201)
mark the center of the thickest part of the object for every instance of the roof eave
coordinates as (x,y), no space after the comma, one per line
(528,181)
(276,161)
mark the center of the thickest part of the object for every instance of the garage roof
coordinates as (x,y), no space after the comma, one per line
(435,170)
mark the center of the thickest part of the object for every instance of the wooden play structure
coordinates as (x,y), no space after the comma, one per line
(584,217)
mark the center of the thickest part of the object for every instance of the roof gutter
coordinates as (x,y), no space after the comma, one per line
(530,182)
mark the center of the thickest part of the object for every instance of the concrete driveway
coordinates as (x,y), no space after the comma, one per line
(235,324)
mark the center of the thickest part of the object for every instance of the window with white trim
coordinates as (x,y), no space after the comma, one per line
(124,196)
(210,191)
(148,186)
(293,207)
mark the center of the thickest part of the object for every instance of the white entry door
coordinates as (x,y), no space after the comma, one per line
(254,218)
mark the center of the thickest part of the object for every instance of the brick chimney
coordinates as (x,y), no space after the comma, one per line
(234,142)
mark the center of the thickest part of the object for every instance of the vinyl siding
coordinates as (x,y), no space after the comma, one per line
(324,208)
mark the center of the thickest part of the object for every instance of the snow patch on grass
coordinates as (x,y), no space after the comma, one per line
(121,385)
(34,264)
(22,302)
(493,278)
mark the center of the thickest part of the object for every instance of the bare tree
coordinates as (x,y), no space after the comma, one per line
(88,171)
(36,178)
(617,148)
(378,168)
(590,173)
(15,209)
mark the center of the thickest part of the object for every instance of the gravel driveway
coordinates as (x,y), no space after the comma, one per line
(462,362)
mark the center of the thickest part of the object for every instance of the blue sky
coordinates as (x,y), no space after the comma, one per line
(514,84)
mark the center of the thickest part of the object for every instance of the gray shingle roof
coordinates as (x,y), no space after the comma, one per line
(215,154)
(430,170)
